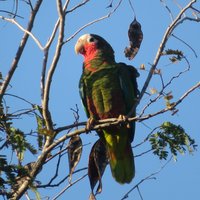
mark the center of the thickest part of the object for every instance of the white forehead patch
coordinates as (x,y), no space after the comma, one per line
(85,36)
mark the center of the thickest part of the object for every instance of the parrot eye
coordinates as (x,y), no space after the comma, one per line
(91,39)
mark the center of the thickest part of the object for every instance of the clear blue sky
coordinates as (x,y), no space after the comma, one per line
(179,180)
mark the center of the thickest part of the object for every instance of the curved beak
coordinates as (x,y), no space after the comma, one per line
(79,46)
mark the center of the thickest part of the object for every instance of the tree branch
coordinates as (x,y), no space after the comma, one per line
(149,177)
(13,21)
(114,121)
(67,187)
(166,36)
(93,22)
(45,102)
(168,32)
(20,49)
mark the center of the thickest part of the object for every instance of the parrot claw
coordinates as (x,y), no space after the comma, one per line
(124,119)
(90,124)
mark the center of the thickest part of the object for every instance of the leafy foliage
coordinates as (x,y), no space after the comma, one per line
(15,140)
(174,137)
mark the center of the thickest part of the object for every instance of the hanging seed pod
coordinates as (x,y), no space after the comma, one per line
(74,154)
(98,161)
(135,38)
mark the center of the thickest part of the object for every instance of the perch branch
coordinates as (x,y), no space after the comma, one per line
(114,121)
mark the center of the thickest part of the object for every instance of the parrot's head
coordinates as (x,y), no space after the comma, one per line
(92,46)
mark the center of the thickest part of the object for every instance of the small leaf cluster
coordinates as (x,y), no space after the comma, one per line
(171,138)
(177,55)
(15,140)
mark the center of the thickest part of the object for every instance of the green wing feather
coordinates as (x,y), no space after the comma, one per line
(83,95)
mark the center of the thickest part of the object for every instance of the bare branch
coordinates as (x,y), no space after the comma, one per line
(168,9)
(45,102)
(13,21)
(93,22)
(77,6)
(48,44)
(67,187)
(43,74)
(173,106)
(185,44)
(11,13)
(168,32)
(114,121)
(62,180)
(46,52)
(149,177)
(20,50)
(164,86)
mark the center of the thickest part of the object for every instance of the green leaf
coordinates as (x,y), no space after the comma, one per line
(171,138)
(19,143)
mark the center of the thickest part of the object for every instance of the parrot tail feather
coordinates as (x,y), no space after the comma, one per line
(122,164)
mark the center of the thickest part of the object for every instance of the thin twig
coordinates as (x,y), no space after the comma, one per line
(115,121)
(77,6)
(49,42)
(67,187)
(168,9)
(138,189)
(20,50)
(11,13)
(143,153)
(178,38)
(13,21)
(161,93)
(168,32)
(149,177)
(132,8)
(93,22)
(61,181)
(57,166)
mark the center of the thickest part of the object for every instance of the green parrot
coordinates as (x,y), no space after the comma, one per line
(109,90)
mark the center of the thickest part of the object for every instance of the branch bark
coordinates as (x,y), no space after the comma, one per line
(166,36)
(114,121)
(45,102)
(20,49)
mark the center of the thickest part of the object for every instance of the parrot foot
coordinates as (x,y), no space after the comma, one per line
(90,124)
(125,120)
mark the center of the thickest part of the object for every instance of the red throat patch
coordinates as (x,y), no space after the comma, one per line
(89,52)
